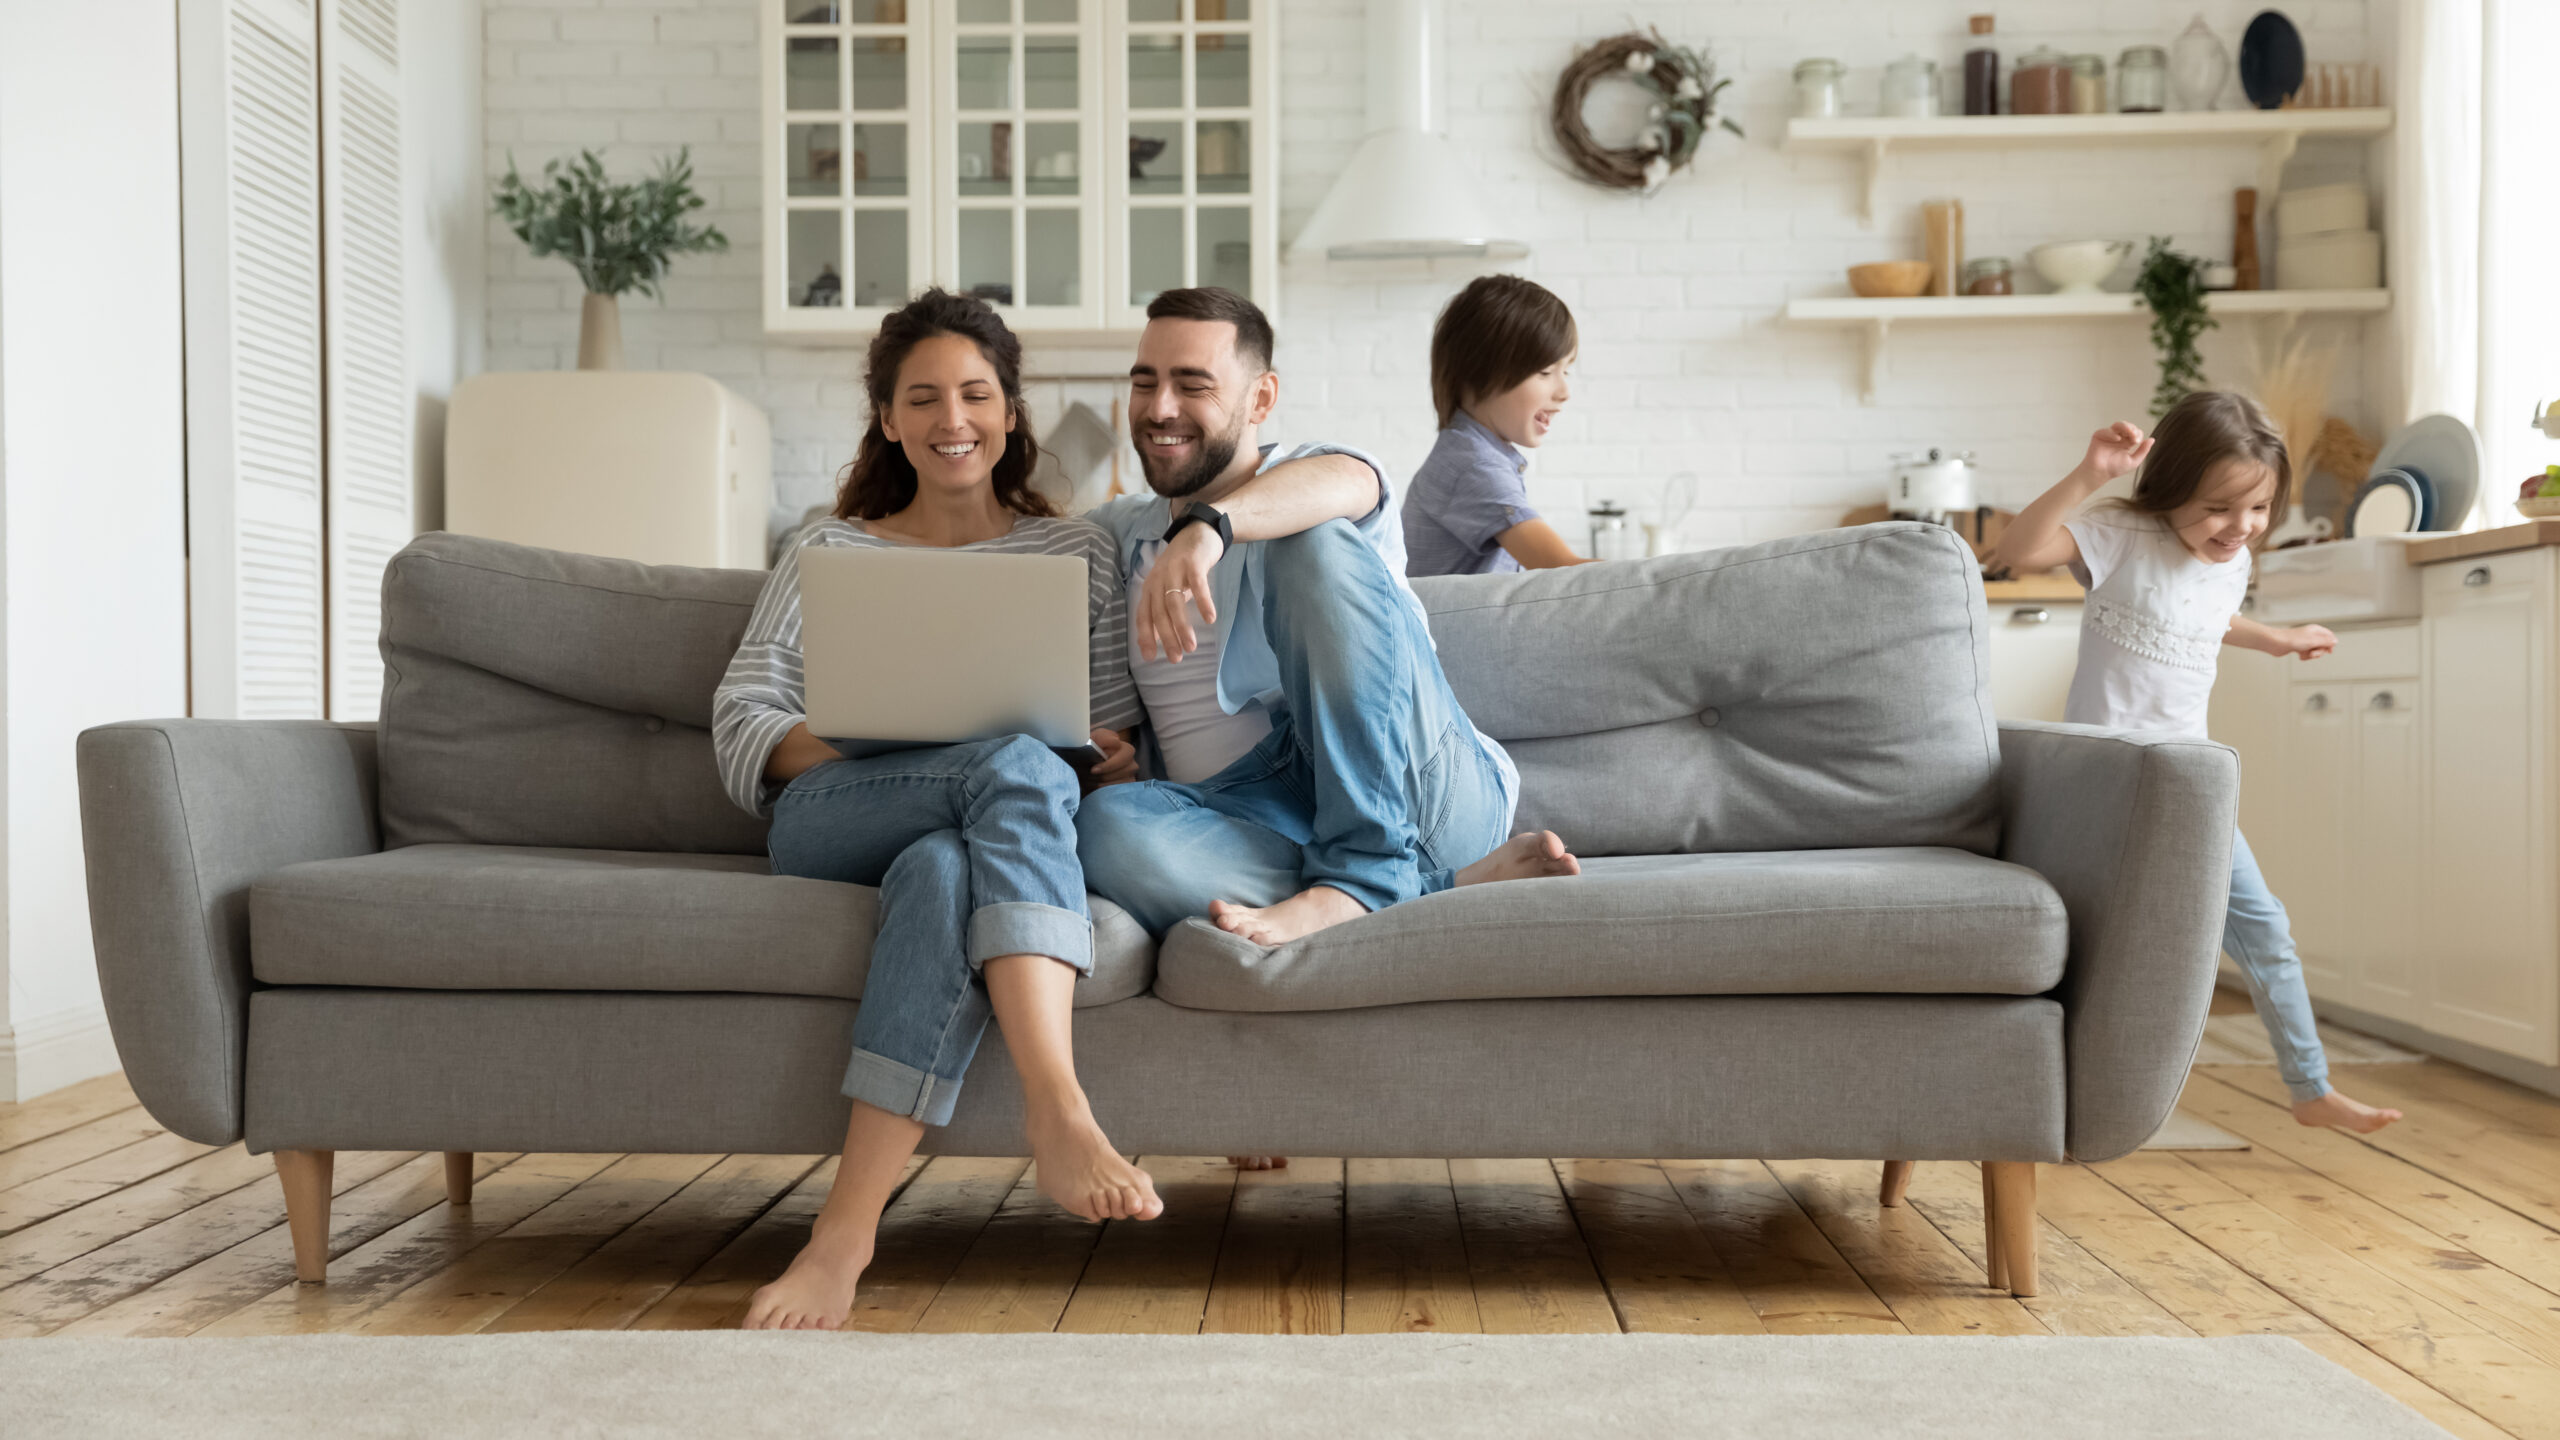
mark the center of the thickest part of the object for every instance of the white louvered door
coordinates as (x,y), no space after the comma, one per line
(368,400)
(249,139)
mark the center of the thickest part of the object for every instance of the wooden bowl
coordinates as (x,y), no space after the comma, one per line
(1890,279)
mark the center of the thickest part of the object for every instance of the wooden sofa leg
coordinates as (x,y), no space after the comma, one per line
(305,1174)
(457,1177)
(2013,1182)
(1997,1273)
(1897,1179)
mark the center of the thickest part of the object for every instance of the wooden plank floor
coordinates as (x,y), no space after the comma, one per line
(2425,1259)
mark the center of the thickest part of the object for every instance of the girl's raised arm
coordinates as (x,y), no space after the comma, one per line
(2036,540)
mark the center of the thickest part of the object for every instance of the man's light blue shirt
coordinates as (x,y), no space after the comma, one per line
(1247,670)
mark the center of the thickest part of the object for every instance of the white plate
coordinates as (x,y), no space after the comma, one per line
(2447,452)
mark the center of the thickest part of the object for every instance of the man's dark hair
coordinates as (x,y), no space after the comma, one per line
(1499,331)
(1211,302)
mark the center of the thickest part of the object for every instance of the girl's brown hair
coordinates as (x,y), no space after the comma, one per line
(2199,432)
(881,481)
(1499,331)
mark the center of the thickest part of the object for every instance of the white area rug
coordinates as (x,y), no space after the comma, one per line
(2182,1131)
(1009,1387)
(2241,1040)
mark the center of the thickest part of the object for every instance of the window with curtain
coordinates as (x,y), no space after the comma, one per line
(2519,234)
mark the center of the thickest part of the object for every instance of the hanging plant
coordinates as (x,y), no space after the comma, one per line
(1684,89)
(2172,284)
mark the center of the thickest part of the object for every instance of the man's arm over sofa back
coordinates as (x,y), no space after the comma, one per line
(177,818)
(2135,832)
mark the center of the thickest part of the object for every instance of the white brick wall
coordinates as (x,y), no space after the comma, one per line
(1685,367)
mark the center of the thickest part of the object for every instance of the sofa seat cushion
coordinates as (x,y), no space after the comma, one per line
(1803,922)
(494,917)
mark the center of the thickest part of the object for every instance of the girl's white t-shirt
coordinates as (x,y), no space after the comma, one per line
(2151,632)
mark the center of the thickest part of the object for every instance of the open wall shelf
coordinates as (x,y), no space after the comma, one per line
(2275,132)
(1880,316)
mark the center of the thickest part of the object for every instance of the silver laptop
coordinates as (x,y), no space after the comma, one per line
(906,648)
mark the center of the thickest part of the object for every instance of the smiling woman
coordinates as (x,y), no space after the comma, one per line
(972,845)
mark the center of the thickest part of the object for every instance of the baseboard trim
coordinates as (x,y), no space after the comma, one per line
(2529,1074)
(52,1051)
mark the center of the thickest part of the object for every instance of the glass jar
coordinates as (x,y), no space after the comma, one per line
(1982,71)
(2041,85)
(1988,276)
(2142,80)
(1611,537)
(1911,87)
(2088,85)
(1818,89)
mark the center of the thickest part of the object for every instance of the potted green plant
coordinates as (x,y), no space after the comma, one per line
(618,237)
(2172,284)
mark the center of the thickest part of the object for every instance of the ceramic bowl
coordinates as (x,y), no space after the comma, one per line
(2074,267)
(1890,279)
(2539,507)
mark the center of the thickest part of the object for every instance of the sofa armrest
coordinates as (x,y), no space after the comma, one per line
(2134,831)
(177,817)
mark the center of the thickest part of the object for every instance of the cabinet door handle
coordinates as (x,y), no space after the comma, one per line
(2476,577)
(2383,701)
(2030,615)
(2318,701)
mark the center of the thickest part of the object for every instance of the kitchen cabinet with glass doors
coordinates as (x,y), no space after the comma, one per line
(1064,160)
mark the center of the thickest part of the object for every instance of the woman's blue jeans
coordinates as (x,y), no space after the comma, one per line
(2258,938)
(973,847)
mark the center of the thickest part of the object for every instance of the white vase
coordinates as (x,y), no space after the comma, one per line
(600,333)
(2199,66)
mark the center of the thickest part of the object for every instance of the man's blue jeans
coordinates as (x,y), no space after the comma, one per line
(2259,939)
(1372,782)
(974,849)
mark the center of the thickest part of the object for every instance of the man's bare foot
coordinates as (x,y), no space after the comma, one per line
(1318,907)
(2337,1110)
(1533,856)
(815,1292)
(1077,1167)
(1259,1162)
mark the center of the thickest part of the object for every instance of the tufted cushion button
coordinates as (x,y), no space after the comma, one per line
(653,724)
(1710,717)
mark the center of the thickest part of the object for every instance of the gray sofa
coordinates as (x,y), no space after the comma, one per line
(1830,907)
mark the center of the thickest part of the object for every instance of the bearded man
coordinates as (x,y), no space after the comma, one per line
(1315,764)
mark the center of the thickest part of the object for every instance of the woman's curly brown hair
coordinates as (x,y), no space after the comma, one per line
(881,481)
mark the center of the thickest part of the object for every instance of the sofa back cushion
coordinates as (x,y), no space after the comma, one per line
(533,697)
(1821,691)
(1824,691)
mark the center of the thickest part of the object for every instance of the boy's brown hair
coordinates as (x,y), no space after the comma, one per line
(1497,332)
(2201,431)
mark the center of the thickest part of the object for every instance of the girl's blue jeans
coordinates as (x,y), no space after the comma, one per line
(2258,938)
(973,847)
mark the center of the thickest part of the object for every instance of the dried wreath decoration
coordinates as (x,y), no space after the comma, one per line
(1684,87)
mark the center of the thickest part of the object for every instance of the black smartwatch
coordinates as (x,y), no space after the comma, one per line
(1203,515)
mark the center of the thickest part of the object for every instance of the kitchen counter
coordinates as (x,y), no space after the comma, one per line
(2055,587)
(2526,536)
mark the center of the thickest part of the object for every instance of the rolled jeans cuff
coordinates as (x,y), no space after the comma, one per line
(2308,1088)
(1022,927)
(878,1081)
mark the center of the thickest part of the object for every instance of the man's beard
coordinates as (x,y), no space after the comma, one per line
(1217,452)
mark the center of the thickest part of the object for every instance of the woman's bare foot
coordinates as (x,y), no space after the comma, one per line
(1318,907)
(1259,1162)
(1533,856)
(2345,1114)
(815,1292)
(1077,1167)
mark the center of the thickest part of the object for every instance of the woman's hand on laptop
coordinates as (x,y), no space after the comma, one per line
(1179,581)
(1119,762)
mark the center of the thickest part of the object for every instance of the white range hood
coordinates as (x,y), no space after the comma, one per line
(1405,193)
